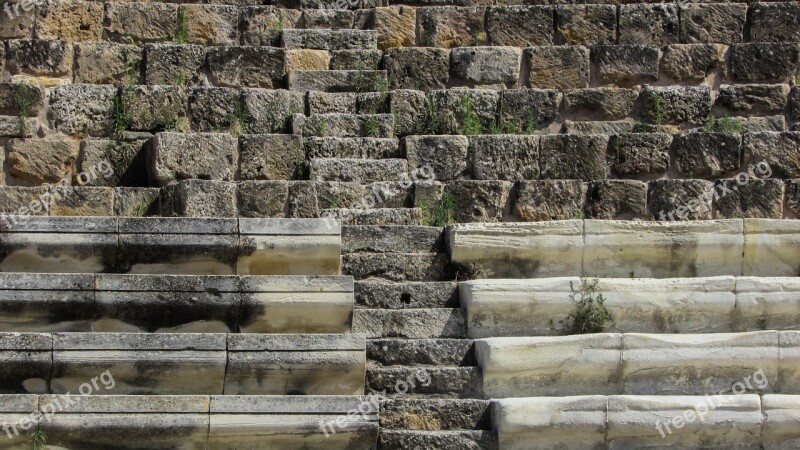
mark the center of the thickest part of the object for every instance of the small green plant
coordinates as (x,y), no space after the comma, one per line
(590,314)
(180,33)
(38,439)
(761,323)
(237,120)
(179,79)
(428,123)
(658,109)
(371,126)
(322,128)
(24,97)
(441,213)
(277,25)
(475,38)
(299,167)
(470,122)
(643,127)
(119,119)
(725,124)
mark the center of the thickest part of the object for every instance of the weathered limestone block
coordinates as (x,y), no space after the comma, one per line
(22,26)
(586,24)
(625,65)
(82,109)
(451,26)
(126,421)
(289,421)
(16,201)
(793,197)
(780,416)
(258,67)
(559,67)
(573,157)
(707,154)
(504,157)
(445,414)
(338,80)
(775,22)
(178,156)
(721,23)
(196,246)
(263,25)
(270,156)
(512,250)
(616,199)
(343,125)
(751,100)
(675,105)
(767,303)
(550,366)
(40,58)
(417,68)
(663,249)
(648,24)
(70,20)
(757,124)
(136,201)
(46,302)
(358,170)
(40,161)
(392,352)
(396,266)
(317,304)
(289,247)
(18,409)
(598,127)
(332,102)
(306,59)
(269,111)
(106,63)
(59,244)
(451,106)
(762,199)
(520,26)
(789,358)
(762,62)
(541,423)
(327,19)
(105,162)
(480,200)
(410,110)
(600,103)
(156,107)
(375,216)
(262,198)
(356,58)
(176,65)
(528,109)
(395,26)
(699,364)
(82,201)
(652,421)
(486,65)
(693,62)
(410,323)
(18,98)
(771,247)
(367,148)
(155,364)
(390,239)
(199,198)
(450,381)
(210,25)
(549,200)
(27,362)
(295,364)
(330,39)
(141,22)
(779,151)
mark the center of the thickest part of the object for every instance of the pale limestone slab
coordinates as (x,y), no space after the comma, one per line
(549,366)
(781,415)
(543,423)
(43,302)
(13,409)
(733,422)
(771,247)
(289,247)
(768,303)
(27,362)
(624,249)
(519,250)
(697,364)
(790,362)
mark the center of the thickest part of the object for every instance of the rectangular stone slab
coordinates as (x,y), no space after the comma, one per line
(623,249)
(59,245)
(292,421)
(771,247)
(127,422)
(167,303)
(734,422)
(289,247)
(698,364)
(13,409)
(26,362)
(296,304)
(551,366)
(790,362)
(519,250)
(771,303)
(41,302)
(781,426)
(321,364)
(141,364)
(543,423)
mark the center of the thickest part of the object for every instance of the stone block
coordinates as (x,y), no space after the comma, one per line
(199,198)
(762,62)
(520,26)
(707,155)
(329,39)
(82,201)
(136,201)
(333,19)
(417,68)
(395,26)
(780,413)
(40,58)
(670,200)
(306,59)
(349,59)
(270,156)
(753,99)
(70,20)
(766,303)
(676,105)
(28,362)
(573,157)
(721,23)
(486,65)
(16,409)
(754,199)
(616,199)
(176,65)
(559,67)
(343,125)
(156,108)
(504,157)
(549,200)
(82,109)
(257,67)
(396,267)
(451,108)
(107,63)
(771,248)
(269,111)
(208,156)
(779,151)
(112,163)
(40,161)
(625,65)
(480,200)
(209,25)
(332,102)
(263,25)
(262,198)
(693,62)
(338,80)
(637,154)
(775,22)
(22,25)
(648,24)
(443,352)
(410,323)
(600,103)
(138,23)
(357,170)
(451,26)
(526,110)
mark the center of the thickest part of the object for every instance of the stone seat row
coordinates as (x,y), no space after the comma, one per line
(191,422)
(640,364)
(184,364)
(192,246)
(42,302)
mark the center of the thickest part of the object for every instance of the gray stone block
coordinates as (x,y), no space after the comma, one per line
(573,157)
(82,109)
(713,22)
(369,294)
(262,198)
(338,80)
(706,155)
(762,62)
(410,323)
(420,352)
(680,199)
(486,65)
(780,151)
(395,266)
(27,362)
(176,156)
(559,67)
(504,157)
(417,68)
(625,65)
(256,67)
(199,198)
(445,156)
(586,24)
(636,154)
(616,200)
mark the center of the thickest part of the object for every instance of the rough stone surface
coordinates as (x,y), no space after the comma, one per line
(764,62)
(683,62)
(504,157)
(106,63)
(520,26)
(262,25)
(262,198)
(446,155)
(417,68)
(141,22)
(680,199)
(573,157)
(600,103)
(199,198)
(81,109)
(676,104)
(208,156)
(486,64)
(707,154)
(307,59)
(270,111)
(480,200)
(176,65)
(549,200)
(41,161)
(753,99)
(449,27)
(113,162)
(775,22)
(40,58)
(586,24)
(625,65)
(756,199)
(71,21)
(636,154)
(645,24)
(713,23)
(211,24)
(395,26)
(136,201)
(419,414)
(246,66)
(616,200)
(780,151)
(451,106)
(560,67)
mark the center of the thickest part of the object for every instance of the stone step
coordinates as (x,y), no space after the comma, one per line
(399,267)
(641,364)
(160,364)
(382,295)
(344,147)
(344,125)
(435,414)
(196,246)
(358,170)
(322,39)
(410,323)
(440,440)
(374,216)
(538,307)
(392,239)
(425,382)
(191,421)
(338,80)
(420,352)
(175,303)
(630,421)
(616,249)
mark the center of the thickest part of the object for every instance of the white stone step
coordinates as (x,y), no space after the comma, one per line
(537,307)
(640,364)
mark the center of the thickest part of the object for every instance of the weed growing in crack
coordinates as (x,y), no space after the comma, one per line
(590,314)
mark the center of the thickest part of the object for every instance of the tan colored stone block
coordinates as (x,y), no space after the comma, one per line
(307,59)
(42,160)
(210,24)
(396,26)
(71,21)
